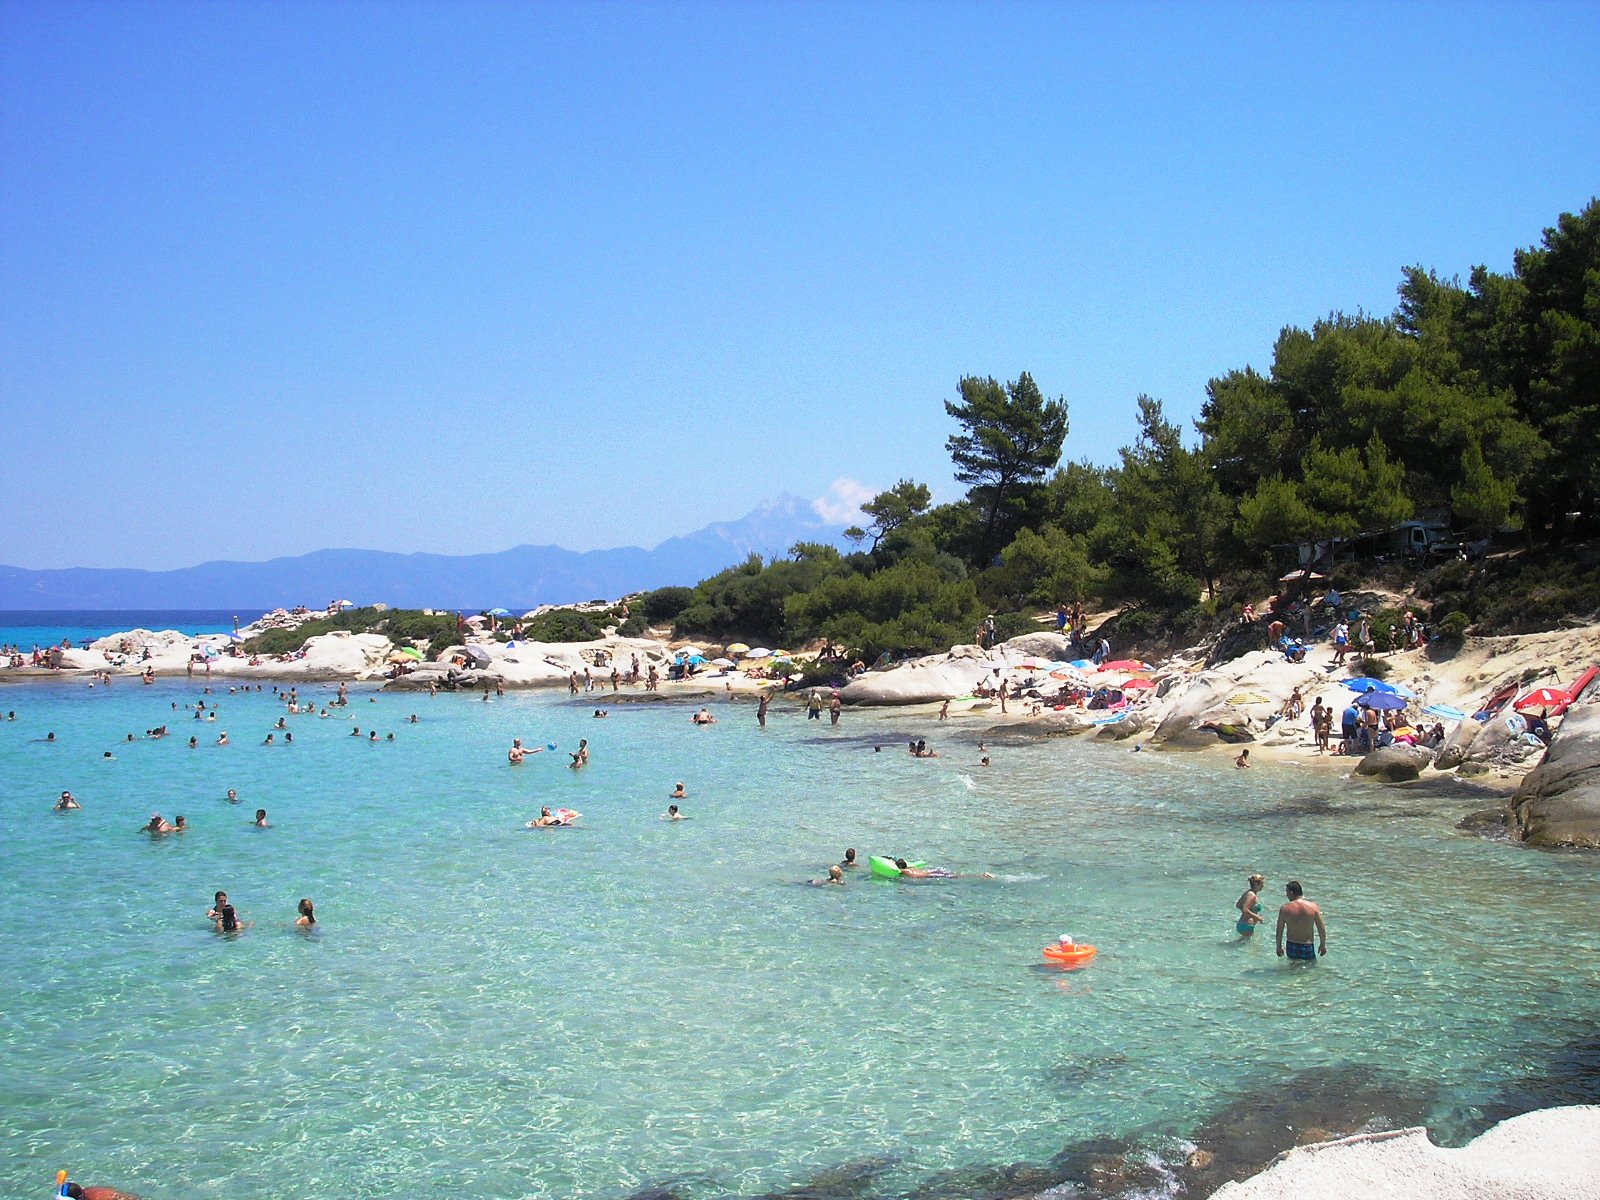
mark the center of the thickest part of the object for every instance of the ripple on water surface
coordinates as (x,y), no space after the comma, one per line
(597,1010)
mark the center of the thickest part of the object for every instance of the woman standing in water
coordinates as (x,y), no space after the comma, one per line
(308,917)
(1249,905)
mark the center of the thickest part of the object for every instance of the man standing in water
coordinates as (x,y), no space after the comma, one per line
(1298,918)
(761,708)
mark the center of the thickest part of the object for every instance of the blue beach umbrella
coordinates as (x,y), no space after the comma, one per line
(1383,701)
(1365,683)
(499,612)
(1444,710)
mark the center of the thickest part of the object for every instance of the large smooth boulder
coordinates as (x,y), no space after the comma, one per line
(1457,745)
(1558,803)
(1131,725)
(937,677)
(1395,764)
(922,681)
(1503,741)
(1548,1154)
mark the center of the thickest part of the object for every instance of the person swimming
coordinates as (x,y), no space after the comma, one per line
(156,824)
(835,876)
(672,814)
(678,793)
(308,917)
(214,913)
(228,920)
(261,819)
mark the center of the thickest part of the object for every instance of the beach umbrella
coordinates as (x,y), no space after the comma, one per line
(1069,674)
(499,612)
(722,662)
(1126,664)
(1294,576)
(1083,664)
(236,636)
(338,604)
(738,648)
(1366,683)
(1383,701)
(1136,684)
(411,652)
(689,650)
(758,652)
(1543,698)
(1248,698)
(475,620)
(1445,711)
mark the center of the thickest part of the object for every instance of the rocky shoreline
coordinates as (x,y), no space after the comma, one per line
(1188,705)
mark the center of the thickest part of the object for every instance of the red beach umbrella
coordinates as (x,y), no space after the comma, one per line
(1134,684)
(1126,664)
(1543,698)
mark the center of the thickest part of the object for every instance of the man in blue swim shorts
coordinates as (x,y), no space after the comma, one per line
(1298,921)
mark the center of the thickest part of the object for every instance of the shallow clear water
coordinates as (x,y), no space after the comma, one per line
(585,1012)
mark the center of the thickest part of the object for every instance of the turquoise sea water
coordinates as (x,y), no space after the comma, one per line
(588,1012)
(27,628)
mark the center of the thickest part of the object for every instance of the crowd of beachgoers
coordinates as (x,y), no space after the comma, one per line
(1008,687)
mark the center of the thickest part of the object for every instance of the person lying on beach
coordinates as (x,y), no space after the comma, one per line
(67,801)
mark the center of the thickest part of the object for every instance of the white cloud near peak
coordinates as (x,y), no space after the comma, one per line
(841,504)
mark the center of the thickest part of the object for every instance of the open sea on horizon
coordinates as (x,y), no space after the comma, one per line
(27,628)
(634,1003)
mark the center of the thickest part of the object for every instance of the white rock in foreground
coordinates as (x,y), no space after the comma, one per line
(1552,1154)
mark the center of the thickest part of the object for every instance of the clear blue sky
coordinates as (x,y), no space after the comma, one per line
(454,277)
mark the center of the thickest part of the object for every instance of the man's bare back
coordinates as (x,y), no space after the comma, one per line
(1299,921)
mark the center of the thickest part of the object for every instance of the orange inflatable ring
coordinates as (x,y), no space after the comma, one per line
(1069,956)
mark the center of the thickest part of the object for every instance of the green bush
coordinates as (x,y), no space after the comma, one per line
(663,604)
(1377,668)
(1453,628)
(564,625)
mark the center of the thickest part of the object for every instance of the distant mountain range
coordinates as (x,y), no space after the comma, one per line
(519,578)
